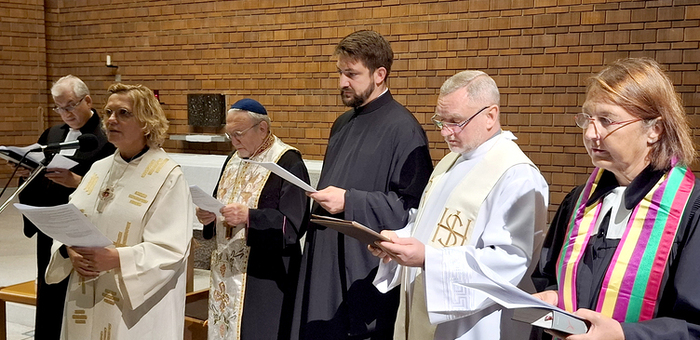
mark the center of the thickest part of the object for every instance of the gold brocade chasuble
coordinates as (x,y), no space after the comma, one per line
(241,182)
(115,196)
(454,228)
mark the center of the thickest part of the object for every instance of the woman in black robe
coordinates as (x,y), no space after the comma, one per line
(622,249)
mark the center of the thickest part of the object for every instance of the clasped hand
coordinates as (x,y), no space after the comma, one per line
(90,261)
(234,214)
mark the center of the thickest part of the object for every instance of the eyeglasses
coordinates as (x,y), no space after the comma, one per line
(70,108)
(455,127)
(120,114)
(239,134)
(583,120)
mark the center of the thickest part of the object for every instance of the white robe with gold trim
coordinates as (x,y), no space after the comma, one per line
(149,218)
(502,237)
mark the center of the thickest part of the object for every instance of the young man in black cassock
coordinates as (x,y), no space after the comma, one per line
(375,169)
(74,104)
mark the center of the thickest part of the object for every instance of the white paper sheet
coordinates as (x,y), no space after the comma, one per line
(66,224)
(205,201)
(282,172)
(500,290)
(62,162)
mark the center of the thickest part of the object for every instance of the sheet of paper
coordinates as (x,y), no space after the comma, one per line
(502,291)
(205,201)
(66,224)
(282,172)
(62,162)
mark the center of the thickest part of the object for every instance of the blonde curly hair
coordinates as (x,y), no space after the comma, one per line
(147,111)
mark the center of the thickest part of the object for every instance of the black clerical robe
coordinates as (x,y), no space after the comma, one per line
(274,230)
(44,193)
(379,154)
(677,314)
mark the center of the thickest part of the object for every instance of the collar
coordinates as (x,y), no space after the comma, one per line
(128,160)
(266,144)
(484,147)
(89,127)
(377,103)
(635,191)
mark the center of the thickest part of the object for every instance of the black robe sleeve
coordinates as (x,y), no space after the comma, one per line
(283,208)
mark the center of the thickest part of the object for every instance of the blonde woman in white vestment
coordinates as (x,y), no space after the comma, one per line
(140,200)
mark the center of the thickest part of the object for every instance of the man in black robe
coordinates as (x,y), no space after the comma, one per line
(74,104)
(375,169)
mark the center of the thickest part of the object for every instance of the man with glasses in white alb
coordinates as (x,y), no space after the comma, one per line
(73,103)
(484,200)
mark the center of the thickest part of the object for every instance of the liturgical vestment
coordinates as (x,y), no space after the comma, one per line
(254,272)
(487,202)
(144,206)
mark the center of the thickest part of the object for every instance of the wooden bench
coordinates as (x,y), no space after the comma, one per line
(196,309)
(24,293)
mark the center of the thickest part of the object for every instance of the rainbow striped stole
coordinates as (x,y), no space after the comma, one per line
(631,285)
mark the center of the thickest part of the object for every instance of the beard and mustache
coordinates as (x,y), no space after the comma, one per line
(357,99)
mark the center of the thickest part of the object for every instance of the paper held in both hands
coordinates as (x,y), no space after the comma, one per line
(66,224)
(527,308)
(205,201)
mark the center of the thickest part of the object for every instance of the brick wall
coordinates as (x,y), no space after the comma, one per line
(539,51)
(22,74)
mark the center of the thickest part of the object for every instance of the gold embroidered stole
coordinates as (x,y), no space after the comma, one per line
(121,220)
(240,182)
(455,226)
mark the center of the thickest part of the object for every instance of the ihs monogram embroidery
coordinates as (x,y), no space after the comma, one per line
(451,230)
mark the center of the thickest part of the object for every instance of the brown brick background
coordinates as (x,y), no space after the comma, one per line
(278,51)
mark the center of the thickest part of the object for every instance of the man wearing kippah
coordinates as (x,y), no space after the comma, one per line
(255,266)
(375,168)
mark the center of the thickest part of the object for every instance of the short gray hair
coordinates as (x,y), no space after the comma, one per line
(480,86)
(72,82)
(256,117)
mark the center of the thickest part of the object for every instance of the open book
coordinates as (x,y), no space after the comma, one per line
(14,154)
(349,228)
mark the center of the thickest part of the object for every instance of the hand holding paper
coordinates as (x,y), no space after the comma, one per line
(205,201)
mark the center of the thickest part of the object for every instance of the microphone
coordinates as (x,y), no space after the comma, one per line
(86,142)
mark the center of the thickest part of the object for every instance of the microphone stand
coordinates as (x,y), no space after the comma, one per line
(31,177)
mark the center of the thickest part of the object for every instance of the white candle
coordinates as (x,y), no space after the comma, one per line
(109,60)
